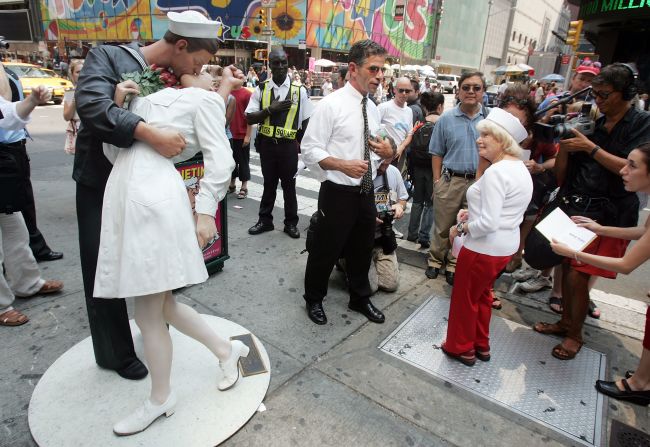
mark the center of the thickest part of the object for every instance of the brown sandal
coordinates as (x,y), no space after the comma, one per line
(231,188)
(13,318)
(549,329)
(243,193)
(49,286)
(562,353)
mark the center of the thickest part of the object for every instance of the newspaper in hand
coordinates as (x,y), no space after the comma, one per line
(557,225)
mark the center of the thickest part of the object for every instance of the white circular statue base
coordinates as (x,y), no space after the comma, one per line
(77,403)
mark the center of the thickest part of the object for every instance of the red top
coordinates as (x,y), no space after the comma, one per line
(238,122)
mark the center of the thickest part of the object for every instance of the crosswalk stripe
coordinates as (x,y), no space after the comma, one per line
(306,205)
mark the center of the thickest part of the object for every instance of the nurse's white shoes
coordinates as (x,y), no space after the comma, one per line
(144,416)
(230,367)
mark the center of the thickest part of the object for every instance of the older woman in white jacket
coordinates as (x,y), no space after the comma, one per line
(496,203)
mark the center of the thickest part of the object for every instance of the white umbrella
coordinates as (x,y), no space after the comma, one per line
(324,63)
(396,66)
(427,68)
(409,68)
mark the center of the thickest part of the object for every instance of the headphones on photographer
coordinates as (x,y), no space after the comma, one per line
(629,91)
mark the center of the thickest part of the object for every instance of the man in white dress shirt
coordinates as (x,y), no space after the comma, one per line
(282,110)
(340,148)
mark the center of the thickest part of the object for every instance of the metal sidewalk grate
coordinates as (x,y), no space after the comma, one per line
(522,375)
(622,435)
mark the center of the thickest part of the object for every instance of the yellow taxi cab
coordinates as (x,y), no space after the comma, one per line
(32,76)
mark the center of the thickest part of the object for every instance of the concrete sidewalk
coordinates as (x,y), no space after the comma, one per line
(330,384)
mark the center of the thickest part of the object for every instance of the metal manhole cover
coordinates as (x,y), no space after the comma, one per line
(623,435)
(522,375)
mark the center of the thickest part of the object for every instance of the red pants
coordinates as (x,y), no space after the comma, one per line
(471,301)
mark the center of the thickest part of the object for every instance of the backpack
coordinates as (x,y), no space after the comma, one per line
(422,136)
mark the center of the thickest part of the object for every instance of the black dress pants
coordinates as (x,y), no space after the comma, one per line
(347,226)
(108,318)
(36,240)
(279,163)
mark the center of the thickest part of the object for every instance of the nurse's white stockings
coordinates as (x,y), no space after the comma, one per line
(152,312)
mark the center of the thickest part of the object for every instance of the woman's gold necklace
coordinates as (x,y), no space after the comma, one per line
(499,158)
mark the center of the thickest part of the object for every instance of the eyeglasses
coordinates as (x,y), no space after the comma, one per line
(404,90)
(476,88)
(374,69)
(601,95)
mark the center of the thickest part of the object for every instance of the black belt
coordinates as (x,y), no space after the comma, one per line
(17,144)
(465,175)
(346,188)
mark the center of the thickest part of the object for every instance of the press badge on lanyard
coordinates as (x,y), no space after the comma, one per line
(384,199)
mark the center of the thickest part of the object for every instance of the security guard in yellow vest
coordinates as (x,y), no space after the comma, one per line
(281,110)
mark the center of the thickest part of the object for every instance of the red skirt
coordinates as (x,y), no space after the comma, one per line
(601,246)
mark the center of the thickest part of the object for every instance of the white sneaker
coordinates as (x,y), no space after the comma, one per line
(230,367)
(398,234)
(536,284)
(144,416)
(525,274)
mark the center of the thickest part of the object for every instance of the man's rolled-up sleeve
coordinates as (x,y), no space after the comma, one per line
(9,118)
(95,106)
(437,141)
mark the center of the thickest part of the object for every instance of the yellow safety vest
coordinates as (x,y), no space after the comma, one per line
(288,131)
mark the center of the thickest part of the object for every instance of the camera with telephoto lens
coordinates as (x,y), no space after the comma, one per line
(388,240)
(559,127)
(3,43)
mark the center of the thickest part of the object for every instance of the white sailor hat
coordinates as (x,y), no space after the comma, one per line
(193,24)
(509,122)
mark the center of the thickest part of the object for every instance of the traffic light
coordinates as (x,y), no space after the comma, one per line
(261,55)
(261,17)
(573,35)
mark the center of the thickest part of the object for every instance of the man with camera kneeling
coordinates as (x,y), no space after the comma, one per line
(390,200)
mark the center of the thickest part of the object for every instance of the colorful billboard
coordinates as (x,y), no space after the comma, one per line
(328,24)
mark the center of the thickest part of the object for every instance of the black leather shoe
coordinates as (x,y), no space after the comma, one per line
(432,272)
(449,277)
(424,244)
(292,231)
(51,256)
(316,313)
(134,370)
(369,310)
(610,389)
(260,228)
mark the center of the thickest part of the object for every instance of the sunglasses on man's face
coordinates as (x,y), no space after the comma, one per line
(404,90)
(476,88)
(600,94)
(373,69)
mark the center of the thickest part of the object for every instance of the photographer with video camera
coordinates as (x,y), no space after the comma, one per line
(587,170)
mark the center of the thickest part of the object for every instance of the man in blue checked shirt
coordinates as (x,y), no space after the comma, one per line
(454,162)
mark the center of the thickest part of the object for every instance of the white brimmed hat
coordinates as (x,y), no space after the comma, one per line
(193,24)
(509,122)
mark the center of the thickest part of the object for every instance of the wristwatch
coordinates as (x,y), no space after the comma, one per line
(459,227)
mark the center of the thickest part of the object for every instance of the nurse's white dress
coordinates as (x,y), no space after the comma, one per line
(148,242)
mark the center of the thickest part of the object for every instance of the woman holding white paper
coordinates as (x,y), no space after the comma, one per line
(497,202)
(635,387)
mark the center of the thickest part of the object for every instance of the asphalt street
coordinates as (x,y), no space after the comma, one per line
(329,385)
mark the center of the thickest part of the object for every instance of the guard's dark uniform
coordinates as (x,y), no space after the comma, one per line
(278,147)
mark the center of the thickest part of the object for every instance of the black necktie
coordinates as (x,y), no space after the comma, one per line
(366,181)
